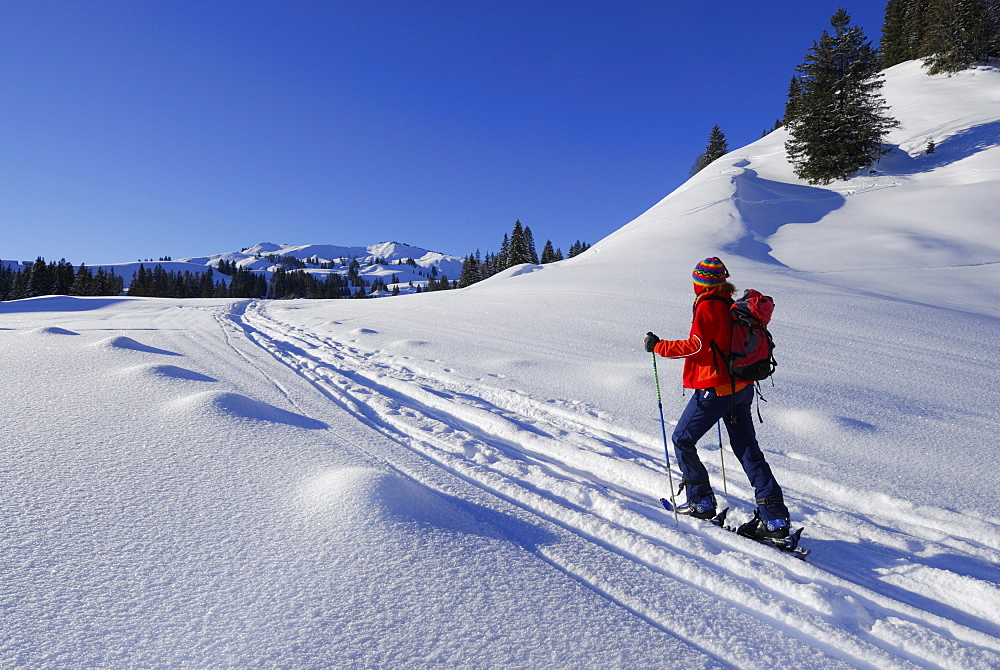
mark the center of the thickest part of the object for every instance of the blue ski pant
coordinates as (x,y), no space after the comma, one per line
(702,412)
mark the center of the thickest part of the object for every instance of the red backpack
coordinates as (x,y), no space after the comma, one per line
(751,346)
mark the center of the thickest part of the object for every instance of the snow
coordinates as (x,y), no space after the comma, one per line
(470,478)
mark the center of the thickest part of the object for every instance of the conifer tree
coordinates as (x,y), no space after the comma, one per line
(6,280)
(500,259)
(893,42)
(840,117)
(904,31)
(102,284)
(470,272)
(19,287)
(915,18)
(717,148)
(578,248)
(64,276)
(960,33)
(794,100)
(519,252)
(81,284)
(548,253)
(40,278)
(529,241)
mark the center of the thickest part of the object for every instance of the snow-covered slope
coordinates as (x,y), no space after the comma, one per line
(917,228)
(470,478)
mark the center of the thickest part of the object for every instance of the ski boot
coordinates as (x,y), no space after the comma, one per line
(756,528)
(699,508)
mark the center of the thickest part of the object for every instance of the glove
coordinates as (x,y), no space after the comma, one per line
(651,341)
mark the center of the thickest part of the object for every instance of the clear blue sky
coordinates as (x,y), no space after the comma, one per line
(139,129)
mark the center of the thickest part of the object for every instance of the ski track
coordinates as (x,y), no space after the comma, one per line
(560,461)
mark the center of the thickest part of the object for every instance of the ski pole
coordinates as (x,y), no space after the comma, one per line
(722,459)
(666,449)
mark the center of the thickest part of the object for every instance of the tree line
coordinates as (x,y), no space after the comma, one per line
(58,278)
(516,248)
(948,35)
(63,278)
(283,284)
(836,117)
(161,283)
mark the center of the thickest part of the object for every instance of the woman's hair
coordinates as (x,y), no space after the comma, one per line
(725,288)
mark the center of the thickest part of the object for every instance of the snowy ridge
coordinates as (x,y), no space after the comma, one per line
(385,261)
(388,251)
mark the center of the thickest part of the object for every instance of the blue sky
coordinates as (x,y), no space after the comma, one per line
(140,129)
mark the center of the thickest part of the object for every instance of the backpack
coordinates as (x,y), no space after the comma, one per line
(751,346)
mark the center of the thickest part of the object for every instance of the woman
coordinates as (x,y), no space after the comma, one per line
(718,396)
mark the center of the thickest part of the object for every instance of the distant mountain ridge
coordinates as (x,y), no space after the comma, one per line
(386,267)
(383,268)
(256,257)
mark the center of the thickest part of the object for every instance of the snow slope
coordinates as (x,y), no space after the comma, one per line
(470,478)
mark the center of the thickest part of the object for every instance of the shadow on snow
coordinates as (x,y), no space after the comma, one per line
(765,206)
(953,149)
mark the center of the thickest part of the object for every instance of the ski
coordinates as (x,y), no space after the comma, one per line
(788,545)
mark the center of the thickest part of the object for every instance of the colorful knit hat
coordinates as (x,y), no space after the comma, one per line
(709,272)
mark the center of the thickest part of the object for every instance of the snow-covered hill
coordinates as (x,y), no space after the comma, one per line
(470,478)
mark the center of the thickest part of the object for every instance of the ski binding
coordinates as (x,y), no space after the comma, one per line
(788,545)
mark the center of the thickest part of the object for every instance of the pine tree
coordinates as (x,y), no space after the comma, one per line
(960,33)
(102,284)
(500,259)
(81,284)
(839,117)
(206,284)
(470,272)
(40,279)
(19,287)
(529,241)
(893,42)
(578,248)
(519,252)
(717,148)
(794,102)
(64,276)
(548,253)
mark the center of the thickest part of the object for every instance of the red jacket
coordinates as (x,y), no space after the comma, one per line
(702,367)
